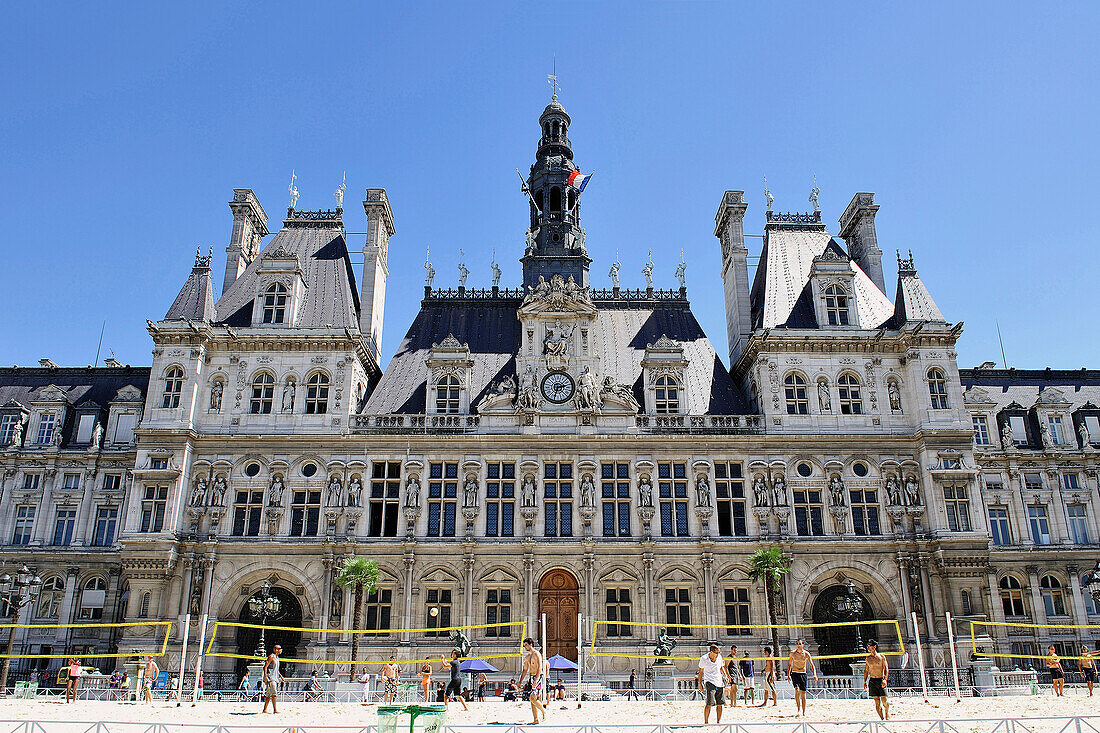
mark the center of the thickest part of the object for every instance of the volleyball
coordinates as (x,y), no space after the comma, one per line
(434,612)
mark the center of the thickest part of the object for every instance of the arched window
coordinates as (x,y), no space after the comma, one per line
(263,389)
(555,199)
(836,305)
(937,388)
(1012,596)
(538,201)
(447,391)
(317,394)
(173,386)
(795,390)
(49,598)
(967,608)
(92,599)
(143,607)
(851,401)
(667,395)
(275,303)
(555,128)
(1054,596)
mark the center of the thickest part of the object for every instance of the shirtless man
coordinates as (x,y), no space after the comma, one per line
(152,671)
(1087,666)
(875,671)
(769,678)
(1057,675)
(390,673)
(796,671)
(532,668)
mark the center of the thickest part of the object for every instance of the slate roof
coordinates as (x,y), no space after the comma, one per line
(1005,386)
(491,328)
(913,302)
(196,299)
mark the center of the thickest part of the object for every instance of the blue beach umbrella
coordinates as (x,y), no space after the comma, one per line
(477,665)
(561,664)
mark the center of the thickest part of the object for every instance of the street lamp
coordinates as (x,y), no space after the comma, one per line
(17,591)
(1091,583)
(850,604)
(263,605)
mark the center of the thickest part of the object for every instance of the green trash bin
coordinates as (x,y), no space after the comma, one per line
(20,690)
(433,717)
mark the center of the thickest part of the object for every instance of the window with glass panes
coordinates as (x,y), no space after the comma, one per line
(263,392)
(864,511)
(557,491)
(729,493)
(173,385)
(71,481)
(383,504)
(998,525)
(112,482)
(153,505)
(1040,524)
(248,510)
(64,524)
(794,389)
(981,429)
(24,525)
(378,609)
(305,513)
(500,499)
(7,428)
(317,394)
(31,481)
(1012,596)
(442,499)
(672,491)
(1053,595)
(617,606)
(809,512)
(1057,429)
(957,502)
(498,610)
(1019,429)
(615,492)
(1033,481)
(46,428)
(737,611)
(1092,422)
(678,610)
(1078,523)
(106,520)
(937,388)
(848,390)
(440,600)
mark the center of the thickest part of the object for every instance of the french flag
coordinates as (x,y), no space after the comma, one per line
(578,180)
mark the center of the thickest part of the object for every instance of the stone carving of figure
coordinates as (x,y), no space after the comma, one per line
(645,491)
(760,491)
(588,391)
(768,194)
(580,241)
(541,290)
(195,603)
(335,491)
(823,399)
(429,271)
(470,492)
(528,491)
(56,439)
(663,650)
(198,493)
(463,272)
(293,191)
(557,339)
(702,492)
(648,271)
(17,433)
(496,272)
(779,491)
(289,389)
(614,273)
(621,392)
(336,606)
(217,498)
(460,643)
(893,491)
(339,193)
(681,271)
(412,491)
(895,396)
(528,397)
(912,493)
(814,193)
(1006,435)
(506,386)
(97,436)
(355,491)
(836,491)
(216,390)
(1083,432)
(588,491)
(1044,435)
(531,236)
(275,494)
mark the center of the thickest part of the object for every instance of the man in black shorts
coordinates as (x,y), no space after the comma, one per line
(875,672)
(454,687)
(713,679)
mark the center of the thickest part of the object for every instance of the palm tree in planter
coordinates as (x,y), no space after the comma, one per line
(770,565)
(362,575)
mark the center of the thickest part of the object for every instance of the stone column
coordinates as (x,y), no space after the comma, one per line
(926,591)
(468,591)
(529,594)
(1058,511)
(650,602)
(207,565)
(707,561)
(1039,610)
(326,599)
(903,587)
(410,564)
(40,534)
(589,584)
(84,518)
(67,611)
(1080,617)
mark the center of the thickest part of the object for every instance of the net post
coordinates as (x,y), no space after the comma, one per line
(954,661)
(920,655)
(580,657)
(183,659)
(545,665)
(198,660)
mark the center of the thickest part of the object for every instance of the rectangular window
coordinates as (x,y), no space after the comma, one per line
(981,430)
(1071,482)
(46,427)
(106,519)
(248,511)
(378,608)
(864,512)
(617,605)
(672,490)
(71,481)
(1078,524)
(737,612)
(124,428)
(678,610)
(500,499)
(31,481)
(24,525)
(84,428)
(998,525)
(1040,526)
(305,513)
(112,482)
(439,599)
(1057,429)
(615,493)
(7,428)
(385,498)
(64,524)
(557,488)
(152,508)
(808,513)
(1033,482)
(1019,429)
(442,499)
(158,464)
(958,508)
(498,610)
(1092,422)
(729,489)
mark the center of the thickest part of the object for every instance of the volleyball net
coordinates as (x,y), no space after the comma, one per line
(496,634)
(978,641)
(80,634)
(735,633)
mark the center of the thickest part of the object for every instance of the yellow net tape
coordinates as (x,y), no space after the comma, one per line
(322,633)
(974,640)
(92,655)
(890,622)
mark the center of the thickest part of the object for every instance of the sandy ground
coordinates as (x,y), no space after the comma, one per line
(610,713)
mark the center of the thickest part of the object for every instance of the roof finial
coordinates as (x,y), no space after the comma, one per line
(768,194)
(648,271)
(339,194)
(814,192)
(552,80)
(463,272)
(614,274)
(293,190)
(681,271)
(496,270)
(429,271)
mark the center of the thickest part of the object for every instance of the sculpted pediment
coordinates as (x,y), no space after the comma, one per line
(51,393)
(557,296)
(977,396)
(129,393)
(1051,396)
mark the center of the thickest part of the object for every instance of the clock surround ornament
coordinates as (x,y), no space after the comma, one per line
(558,387)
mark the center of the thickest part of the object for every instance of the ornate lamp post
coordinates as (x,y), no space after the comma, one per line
(263,606)
(1091,583)
(850,604)
(17,591)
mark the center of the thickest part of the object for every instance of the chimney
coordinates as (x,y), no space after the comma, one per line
(735,270)
(372,295)
(857,228)
(249,229)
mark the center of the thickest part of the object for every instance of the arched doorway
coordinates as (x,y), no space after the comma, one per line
(840,639)
(559,600)
(290,614)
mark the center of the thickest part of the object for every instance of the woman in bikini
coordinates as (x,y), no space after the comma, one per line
(426,680)
(1054,666)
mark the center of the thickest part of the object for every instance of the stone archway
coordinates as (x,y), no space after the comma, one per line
(559,599)
(290,614)
(839,639)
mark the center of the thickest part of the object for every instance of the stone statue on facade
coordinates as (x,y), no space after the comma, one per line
(293,190)
(97,437)
(17,433)
(893,491)
(645,491)
(528,397)
(1044,435)
(289,390)
(588,491)
(463,271)
(216,390)
(1083,433)
(429,271)
(779,491)
(469,490)
(335,492)
(339,193)
(912,493)
(412,491)
(460,643)
(355,492)
(496,270)
(1006,435)
(614,272)
(814,193)
(620,392)
(532,234)
(648,271)
(580,241)
(527,492)
(895,396)
(759,491)
(663,650)
(768,194)
(217,497)
(275,493)
(198,493)
(824,401)
(702,492)
(836,491)
(588,391)
(681,271)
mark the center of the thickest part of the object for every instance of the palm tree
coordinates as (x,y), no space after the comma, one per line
(770,565)
(362,575)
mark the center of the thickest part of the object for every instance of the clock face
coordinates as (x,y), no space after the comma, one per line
(557,387)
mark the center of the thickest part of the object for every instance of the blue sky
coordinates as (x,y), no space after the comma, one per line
(126,129)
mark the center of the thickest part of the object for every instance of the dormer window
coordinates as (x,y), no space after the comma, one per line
(263,392)
(317,394)
(7,428)
(836,305)
(848,389)
(46,426)
(1057,429)
(173,386)
(937,388)
(275,298)
(448,392)
(666,397)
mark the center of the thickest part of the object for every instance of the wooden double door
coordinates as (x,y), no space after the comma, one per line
(559,600)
